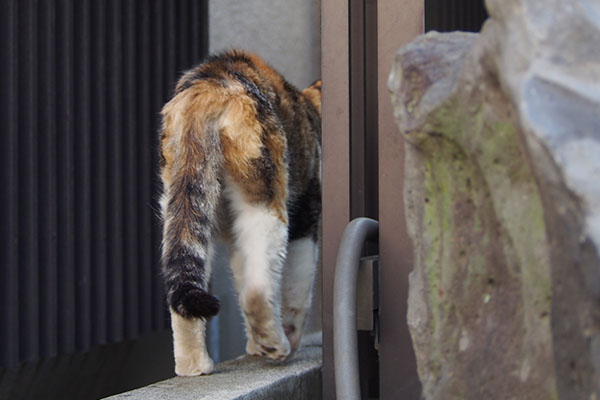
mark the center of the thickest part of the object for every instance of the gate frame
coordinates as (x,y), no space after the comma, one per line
(349,32)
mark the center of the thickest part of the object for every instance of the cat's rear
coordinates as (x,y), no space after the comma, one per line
(240,157)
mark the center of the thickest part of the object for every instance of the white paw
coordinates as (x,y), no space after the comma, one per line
(193,366)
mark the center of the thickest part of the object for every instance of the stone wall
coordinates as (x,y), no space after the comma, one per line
(503,202)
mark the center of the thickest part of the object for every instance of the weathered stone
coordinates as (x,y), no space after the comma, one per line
(503,202)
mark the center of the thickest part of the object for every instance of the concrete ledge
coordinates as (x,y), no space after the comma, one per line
(245,378)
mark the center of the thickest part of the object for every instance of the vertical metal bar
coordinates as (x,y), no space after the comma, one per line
(158,90)
(371,111)
(130,172)
(169,77)
(336,160)
(357,109)
(145,171)
(114,132)
(203,32)
(182,35)
(9,304)
(83,201)
(368,356)
(99,176)
(398,23)
(48,180)
(66,183)
(28,185)
(347,379)
(170,49)
(194,31)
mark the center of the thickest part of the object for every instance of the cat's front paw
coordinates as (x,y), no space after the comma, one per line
(193,366)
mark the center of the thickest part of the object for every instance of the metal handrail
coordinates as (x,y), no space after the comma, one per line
(345,342)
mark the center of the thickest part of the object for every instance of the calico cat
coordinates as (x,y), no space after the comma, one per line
(240,159)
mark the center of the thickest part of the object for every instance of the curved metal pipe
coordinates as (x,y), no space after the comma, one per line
(345,343)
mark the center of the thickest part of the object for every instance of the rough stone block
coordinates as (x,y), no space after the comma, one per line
(503,202)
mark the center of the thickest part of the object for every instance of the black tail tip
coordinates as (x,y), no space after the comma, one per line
(191,302)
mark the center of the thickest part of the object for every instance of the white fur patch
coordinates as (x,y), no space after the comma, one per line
(260,237)
(259,249)
(191,356)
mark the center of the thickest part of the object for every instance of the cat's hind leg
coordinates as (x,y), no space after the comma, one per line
(260,240)
(297,283)
(237,265)
(191,356)
(189,337)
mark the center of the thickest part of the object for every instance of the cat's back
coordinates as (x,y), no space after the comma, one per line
(278,105)
(269,130)
(271,93)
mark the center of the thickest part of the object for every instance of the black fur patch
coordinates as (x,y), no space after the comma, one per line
(189,301)
(305,212)
(263,105)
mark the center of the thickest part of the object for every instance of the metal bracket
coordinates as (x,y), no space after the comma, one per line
(345,345)
(367,293)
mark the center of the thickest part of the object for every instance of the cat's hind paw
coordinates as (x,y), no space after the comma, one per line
(274,350)
(294,336)
(193,366)
(277,351)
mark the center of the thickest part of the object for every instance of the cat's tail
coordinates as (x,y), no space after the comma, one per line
(191,159)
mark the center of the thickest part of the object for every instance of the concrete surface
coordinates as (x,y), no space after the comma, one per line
(245,378)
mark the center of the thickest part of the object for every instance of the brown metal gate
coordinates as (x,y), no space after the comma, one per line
(362,165)
(363,160)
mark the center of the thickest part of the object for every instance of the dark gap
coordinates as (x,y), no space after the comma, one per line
(130,155)
(65,174)
(145,171)
(47,164)
(9,229)
(454,15)
(83,201)
(114,168)
(98,157)
(159,94)
(27,183)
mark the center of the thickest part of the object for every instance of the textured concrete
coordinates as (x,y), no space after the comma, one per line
(503,197)
(245,378)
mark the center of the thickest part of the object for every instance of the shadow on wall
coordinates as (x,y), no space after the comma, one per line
(101,372)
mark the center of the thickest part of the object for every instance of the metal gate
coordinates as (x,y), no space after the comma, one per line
(81,85)
(363,168)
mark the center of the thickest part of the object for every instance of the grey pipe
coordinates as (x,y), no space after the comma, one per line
(345,343)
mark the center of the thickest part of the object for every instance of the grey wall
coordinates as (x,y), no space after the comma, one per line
(287,35)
